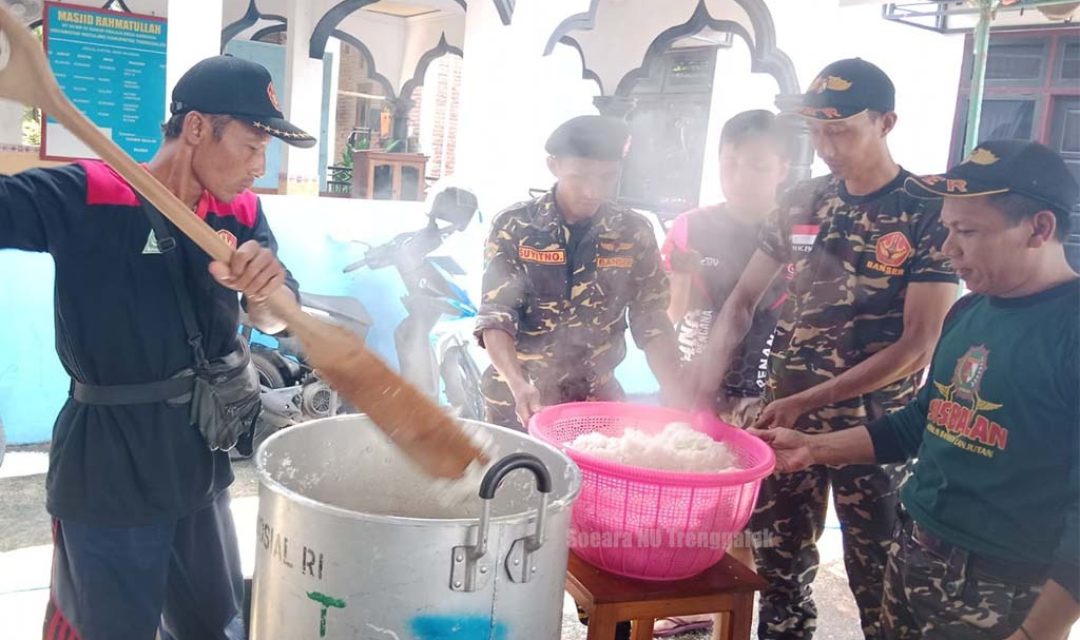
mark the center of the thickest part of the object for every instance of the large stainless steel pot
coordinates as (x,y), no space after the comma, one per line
(353,543)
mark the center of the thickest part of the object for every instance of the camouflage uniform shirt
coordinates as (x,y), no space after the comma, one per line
(568,309)
(853,258)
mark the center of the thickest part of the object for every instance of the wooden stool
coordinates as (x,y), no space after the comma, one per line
(727,588)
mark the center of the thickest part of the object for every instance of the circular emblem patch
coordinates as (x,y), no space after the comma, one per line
(893,249)
(228,238)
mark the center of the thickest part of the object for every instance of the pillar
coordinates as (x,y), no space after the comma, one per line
(302,101)
(193,34)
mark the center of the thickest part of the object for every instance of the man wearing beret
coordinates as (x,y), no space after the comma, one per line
(565,273)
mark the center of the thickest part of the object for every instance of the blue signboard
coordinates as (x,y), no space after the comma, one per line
(111,65)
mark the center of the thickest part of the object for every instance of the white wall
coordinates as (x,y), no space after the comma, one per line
(193,33)
(513,98)
(735,89)
(630,26)
(11,115)
(301,101)
(422,35)
(384,36)
(924,66)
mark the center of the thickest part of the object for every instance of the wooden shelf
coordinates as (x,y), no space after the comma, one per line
(378,175)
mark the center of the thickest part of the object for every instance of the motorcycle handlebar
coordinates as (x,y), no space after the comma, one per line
(386,254)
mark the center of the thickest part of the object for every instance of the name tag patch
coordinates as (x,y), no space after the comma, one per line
(614,262)
(554,256)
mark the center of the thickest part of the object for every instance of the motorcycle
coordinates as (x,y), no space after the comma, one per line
(433,355)
(292,391)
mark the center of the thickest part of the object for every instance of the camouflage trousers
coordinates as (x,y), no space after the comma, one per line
(792,509)
(499,406)
(933,595)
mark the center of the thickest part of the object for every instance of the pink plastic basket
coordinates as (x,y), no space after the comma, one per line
(645,523)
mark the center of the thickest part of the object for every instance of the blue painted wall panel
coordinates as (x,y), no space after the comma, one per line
(317,239)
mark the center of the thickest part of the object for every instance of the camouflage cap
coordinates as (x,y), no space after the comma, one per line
(845,89)
(1005,166)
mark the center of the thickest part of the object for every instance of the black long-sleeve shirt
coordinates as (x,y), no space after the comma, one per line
(118,322)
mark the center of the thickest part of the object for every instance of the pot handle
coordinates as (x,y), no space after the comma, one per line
(467,559)
(498,472)
(494,477)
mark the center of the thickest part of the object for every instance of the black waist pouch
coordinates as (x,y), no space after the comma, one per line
(225,401)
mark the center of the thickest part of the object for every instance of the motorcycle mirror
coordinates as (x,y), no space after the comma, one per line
(454,205)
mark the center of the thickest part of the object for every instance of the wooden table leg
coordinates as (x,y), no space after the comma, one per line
(602,624)
(721,629)
(742,613)
(642,629)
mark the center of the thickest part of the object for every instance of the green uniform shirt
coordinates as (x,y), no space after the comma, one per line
(567,297)
(996,431)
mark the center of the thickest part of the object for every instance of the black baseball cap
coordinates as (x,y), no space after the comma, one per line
(846,88)
(592,137)
(226,85)
(1005,166)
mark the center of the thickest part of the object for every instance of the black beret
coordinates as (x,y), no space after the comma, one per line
(592,137)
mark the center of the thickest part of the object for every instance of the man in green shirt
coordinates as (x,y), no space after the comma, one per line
(988,543)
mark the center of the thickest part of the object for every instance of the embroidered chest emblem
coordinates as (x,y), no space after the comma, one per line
(890,253)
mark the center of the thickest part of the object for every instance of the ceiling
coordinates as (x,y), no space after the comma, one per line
(401,9)
(449,6)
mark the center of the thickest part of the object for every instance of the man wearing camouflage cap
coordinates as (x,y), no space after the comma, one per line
(564,275)
(869,291)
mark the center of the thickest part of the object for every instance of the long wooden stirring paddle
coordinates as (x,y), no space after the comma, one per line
(413,421)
